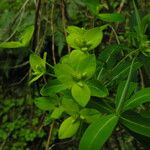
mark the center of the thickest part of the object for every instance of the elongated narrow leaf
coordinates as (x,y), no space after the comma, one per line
(138,21)
(122,93)
(131,88)
(137,124)
(11,44)
(111,17)
(68,128)
(138,99)
(27,35)
(98,132)
(102,106)
(34,78)
(97,89)
(23,42)
(106,57)
(81,93)
(121,71)
(52,87)
(109,51)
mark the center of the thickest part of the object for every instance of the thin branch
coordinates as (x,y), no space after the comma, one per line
(142,78)
(49,136)
(52,30)
(20,81)
(20,65)
(64,21)
(36,27)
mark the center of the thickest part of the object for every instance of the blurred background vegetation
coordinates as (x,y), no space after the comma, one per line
(22,125)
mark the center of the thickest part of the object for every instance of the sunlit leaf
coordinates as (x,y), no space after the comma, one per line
(68,128)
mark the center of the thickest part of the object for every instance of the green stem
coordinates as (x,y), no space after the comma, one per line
(49,65)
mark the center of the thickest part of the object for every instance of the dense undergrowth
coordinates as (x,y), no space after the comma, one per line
(74,75)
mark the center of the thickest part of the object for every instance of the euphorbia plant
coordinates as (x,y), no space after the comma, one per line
(77,86)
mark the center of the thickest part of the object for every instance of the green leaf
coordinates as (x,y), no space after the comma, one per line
(75,37)
(52,87)
(87,66)
(111,17)
(138,99)
(93,6)
(93,37)
(97,89)
(90,114)
(27,35)
(137,124)
(131,88)
(38,65)
(81,93)
(57,112)
(122,93)
(102,106)
(24,39)
(109,51)
(68,128)
(64,73)
(60,41)
(33,79)
(106,56)
(98,132)
(45,103)
(84,40)
(75,59)
(138,21)
(11,44)
(70,106)
(121,70)
(145,114)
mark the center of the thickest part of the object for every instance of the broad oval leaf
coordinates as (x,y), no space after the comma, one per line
(97,89)
(89,114)
(137,123)
(81,93)
(68,128)
(139,98)
(70,106)
(87,66)
(64,73)
(94,37)
(111,17)
(57,112)
(45,103)
(52,87)
(84,40)
(98,132)
(75,37)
